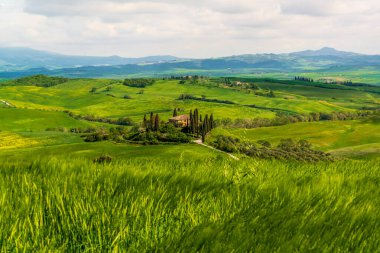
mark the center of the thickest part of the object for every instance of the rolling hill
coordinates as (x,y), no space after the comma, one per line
(323,63)
(16,59)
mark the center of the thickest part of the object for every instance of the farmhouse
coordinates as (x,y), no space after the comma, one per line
(180,121)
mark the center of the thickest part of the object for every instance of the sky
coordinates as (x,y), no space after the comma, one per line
(190,28)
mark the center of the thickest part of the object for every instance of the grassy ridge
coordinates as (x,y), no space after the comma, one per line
(210,205)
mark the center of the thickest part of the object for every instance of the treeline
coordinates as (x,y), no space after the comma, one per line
(36,80)
(204,99)
(138,82)
(237,83)
(304,79)
(184,78)
(121,121)
(167,133)
(290,119)
(287,149)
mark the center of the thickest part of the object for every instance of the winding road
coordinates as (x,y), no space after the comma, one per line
(199,142)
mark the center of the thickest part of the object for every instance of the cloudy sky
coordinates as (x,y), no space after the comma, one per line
(190,28)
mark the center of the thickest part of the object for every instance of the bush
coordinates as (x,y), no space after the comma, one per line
(103,159)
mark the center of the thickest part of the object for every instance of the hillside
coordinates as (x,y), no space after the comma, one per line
(325,63)
(83,169)
(13,59)
(234,105)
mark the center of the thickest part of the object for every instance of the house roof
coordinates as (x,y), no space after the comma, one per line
(180,117)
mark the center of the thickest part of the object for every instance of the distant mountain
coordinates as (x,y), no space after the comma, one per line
(326,51)
(23,62)
(26,58)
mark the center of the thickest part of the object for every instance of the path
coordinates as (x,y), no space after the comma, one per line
(6,103)
(199,142)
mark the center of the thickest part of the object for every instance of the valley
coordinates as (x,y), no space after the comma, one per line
(84,159)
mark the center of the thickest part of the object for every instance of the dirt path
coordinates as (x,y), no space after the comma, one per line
(6,103)
(199,142)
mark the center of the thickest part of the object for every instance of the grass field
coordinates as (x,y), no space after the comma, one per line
(370,75)
(162,97)
(211,205)
(184,197)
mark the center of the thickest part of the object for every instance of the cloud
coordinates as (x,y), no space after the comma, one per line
(189,28)
(326,8)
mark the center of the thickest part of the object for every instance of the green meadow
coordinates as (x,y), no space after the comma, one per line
(208,205)
(368,75)
(186,197)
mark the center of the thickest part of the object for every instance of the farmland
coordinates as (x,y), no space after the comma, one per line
(184,197)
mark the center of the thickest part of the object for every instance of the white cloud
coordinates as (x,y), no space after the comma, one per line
(190,28)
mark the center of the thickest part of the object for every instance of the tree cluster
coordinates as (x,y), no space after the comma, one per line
(204,99)
(151,124)
(187,77)
(287,149)
(138,82)
(121,121)
(304,79)
(199,126)
(290,119)
(237,83)
(37,80)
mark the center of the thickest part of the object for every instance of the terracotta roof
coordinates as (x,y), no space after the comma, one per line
(180,117)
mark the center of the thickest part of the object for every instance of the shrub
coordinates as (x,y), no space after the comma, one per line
(103,159)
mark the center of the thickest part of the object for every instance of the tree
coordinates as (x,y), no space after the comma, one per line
(191,122)
(151,121)
(206,124)
(175,113)
(157,123)
(145,123)
(211,121)
(204,131)
(196,122)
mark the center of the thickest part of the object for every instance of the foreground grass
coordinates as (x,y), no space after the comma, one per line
(193,205)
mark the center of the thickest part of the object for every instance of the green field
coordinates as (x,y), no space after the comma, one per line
(369,75)
(211,205)
(186,197)
(359,139)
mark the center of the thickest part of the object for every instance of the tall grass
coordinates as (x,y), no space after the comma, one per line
(213,205)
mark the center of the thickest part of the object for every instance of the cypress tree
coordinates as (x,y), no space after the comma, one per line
(211,121)
(206,124)
(200,118)
(156,123)
(151,121)
(144,121)
(203,132)
(196,118)
(175,113)
(191,121)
